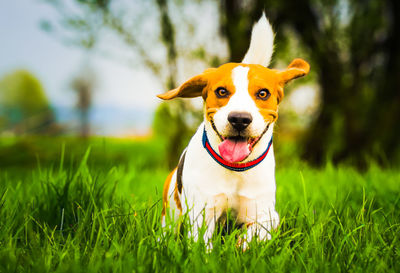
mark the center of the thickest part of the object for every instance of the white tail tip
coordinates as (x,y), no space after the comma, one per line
(261,44)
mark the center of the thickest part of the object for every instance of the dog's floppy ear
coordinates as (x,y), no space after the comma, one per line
(297,68)
(191,88)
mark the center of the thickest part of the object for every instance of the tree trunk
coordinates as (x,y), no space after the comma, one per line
(385,112)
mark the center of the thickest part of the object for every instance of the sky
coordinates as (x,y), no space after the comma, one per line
(24,45)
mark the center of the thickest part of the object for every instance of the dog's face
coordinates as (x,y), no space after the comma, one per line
(241,101)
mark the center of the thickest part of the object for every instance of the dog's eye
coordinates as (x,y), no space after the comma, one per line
(221,92)
(263,94)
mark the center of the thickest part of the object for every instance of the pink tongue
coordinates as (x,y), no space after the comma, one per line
(233,150)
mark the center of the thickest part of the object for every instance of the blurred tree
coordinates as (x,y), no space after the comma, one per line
(24,107)
(352,46)
(84,84)
(354,49)
(171,121)
(89,18)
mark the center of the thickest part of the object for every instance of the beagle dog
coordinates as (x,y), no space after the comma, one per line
(229,163)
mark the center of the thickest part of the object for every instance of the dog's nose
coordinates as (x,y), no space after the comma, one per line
(240,120)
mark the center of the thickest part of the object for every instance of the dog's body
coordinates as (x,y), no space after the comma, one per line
(229,163)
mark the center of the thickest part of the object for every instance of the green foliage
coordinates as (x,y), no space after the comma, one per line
(352,47)
(46,150)
(23,102)
(22,90)
(89,218)
(174,124)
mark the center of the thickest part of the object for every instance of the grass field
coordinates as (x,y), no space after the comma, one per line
(98,210)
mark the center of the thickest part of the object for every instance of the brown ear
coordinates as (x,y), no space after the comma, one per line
(297,68)
(189,89)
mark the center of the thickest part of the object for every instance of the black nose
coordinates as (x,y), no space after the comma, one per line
(240,120)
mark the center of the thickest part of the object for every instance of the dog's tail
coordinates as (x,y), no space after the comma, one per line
(261,44)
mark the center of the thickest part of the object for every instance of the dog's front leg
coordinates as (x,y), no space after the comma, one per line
(206,216)
(262,226)
(200,217)
(259,218)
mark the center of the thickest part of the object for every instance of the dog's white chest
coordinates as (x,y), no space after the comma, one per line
(207,182)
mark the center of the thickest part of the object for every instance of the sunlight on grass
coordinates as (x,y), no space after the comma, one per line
(78,217)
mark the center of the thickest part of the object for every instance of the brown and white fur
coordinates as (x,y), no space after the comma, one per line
(208,189)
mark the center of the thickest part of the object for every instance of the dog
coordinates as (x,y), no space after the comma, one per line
(229,164)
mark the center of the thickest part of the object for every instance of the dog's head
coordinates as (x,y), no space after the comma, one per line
(241,99)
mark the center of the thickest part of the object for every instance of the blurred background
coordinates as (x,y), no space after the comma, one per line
(84,73)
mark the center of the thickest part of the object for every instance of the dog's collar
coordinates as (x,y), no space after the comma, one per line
(237,167)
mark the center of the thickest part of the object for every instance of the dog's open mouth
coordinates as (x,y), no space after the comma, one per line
(237,148)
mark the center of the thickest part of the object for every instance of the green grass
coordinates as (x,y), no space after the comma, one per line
(96,215)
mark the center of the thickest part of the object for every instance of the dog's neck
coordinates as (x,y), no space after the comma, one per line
(258,149)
